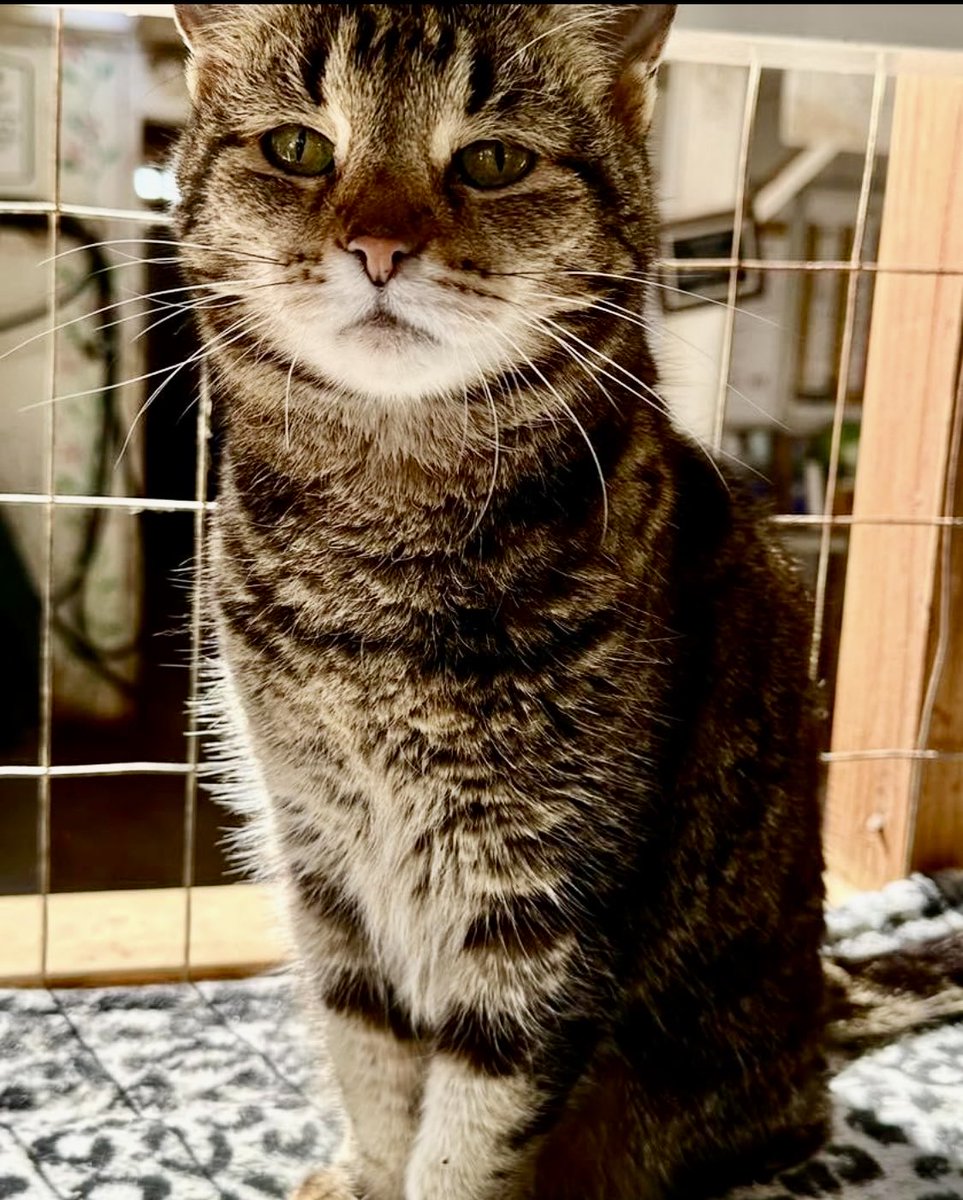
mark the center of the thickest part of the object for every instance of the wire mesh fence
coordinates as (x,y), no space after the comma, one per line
(49,507)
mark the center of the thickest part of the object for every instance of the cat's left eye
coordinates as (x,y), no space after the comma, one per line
(492,164)
(298,150)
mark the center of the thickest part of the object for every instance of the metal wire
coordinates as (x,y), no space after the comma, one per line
(844,367)
(895,753)
(193,740)
(91,212)
(131,504)
(753,55)
(55,209)
(941,652)
(838,266)
(742,181)
(86,770)
(46,635)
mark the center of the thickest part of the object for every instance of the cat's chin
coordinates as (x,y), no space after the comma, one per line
(389,361)
(384,357)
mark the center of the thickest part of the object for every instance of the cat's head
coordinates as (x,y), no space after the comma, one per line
(406,199)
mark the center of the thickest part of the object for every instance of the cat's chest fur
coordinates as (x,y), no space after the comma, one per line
(392,771)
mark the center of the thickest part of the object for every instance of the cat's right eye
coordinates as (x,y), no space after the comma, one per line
(298,150)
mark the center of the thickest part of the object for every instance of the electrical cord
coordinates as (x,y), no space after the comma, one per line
(9,324)
(69,614)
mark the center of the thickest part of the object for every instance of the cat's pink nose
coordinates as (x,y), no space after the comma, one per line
(380,256)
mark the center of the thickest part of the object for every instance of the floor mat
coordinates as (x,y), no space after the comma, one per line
(210,1092)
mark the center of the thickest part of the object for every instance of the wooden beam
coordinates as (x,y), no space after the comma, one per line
(907,420)
(138,936)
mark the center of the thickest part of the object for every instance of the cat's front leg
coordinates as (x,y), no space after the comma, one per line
(377,1061)
(471,1142)
(380,1080)
(512,1045)
(380,1075)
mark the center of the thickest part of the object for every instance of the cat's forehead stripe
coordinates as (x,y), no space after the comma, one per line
(313,64)
(481,81)
(410,32)
(364,36)
(369,39)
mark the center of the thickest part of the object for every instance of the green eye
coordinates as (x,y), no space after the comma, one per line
(298,150)
(493,164)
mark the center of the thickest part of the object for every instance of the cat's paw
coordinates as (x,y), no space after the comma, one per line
(332,1183)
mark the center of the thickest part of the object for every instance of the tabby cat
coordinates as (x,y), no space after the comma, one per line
(513,672)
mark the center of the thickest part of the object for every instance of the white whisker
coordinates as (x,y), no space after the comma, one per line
(649,281)
(591,369)
(248,322)
(571,415)
(96,391)
(633,318)
(287,402)
(579,20)
(638,279)
(96,312)
(652,399)
(178,310)
(496,458)
(625,314)
(242,286)
(157,242)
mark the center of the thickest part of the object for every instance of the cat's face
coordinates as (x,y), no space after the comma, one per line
(395,193)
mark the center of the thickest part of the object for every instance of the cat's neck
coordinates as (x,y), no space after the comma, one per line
(349,489)
(438,475)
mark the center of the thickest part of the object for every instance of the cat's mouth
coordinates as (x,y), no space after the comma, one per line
(382,323)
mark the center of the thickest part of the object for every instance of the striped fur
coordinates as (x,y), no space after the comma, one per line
(514,678)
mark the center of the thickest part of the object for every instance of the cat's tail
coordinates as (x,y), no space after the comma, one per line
(901,972)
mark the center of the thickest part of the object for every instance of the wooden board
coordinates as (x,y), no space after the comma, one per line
(138,936)
(904,442)
(938,835)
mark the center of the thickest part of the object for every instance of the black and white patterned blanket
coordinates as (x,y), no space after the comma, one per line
(209,1092)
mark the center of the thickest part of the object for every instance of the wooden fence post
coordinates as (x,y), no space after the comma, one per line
(908,405)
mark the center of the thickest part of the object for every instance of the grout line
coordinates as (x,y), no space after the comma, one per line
(161,1118)
(234,1029)
(39,1168)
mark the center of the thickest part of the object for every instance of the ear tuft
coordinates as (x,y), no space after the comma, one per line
(210,32)
(638,35)
(192,19)
(645,30)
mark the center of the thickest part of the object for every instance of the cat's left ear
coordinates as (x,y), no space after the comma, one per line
(207,30)
(634,37)
(192,20)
